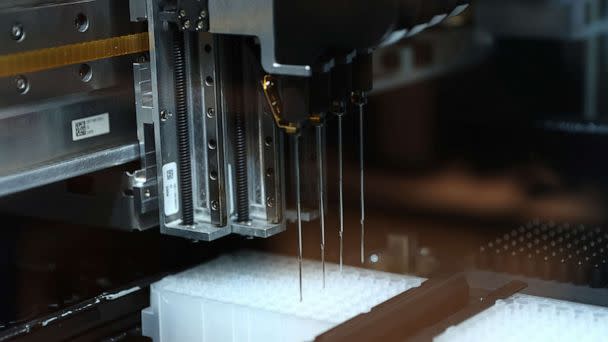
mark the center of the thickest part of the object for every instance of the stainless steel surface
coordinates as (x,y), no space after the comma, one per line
(37,110)
(204,83)
(265,161)
(212,145)
(212,168)
(46,134)
(198,232)
(143,181)
(62,169)
(55,23)
(40,112)
(272,167)
(41,134)
(162,99)
(44,85)
(260,229)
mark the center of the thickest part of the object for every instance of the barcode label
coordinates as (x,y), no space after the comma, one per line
(170,189)
(91,126)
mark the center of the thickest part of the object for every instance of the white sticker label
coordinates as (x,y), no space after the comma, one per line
(91,126)
(170,189)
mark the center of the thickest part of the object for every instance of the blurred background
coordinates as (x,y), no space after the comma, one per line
(491,124)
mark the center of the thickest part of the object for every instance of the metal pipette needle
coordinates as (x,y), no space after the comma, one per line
(320,132)
(296,156)
(341,191)
(362,175)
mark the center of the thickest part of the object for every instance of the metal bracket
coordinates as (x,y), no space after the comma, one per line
(258,21)
(143,181)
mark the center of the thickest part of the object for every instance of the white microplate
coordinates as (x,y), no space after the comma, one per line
(528,318)
(252,296)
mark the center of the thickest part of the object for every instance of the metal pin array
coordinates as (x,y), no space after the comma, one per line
(320,144)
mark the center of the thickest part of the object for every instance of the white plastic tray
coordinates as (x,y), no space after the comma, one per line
(254,297)
(528,318)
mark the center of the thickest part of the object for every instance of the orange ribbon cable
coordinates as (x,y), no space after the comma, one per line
(49,58)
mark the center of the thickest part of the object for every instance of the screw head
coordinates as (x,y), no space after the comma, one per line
(147,193)
(187,24)
(214,205)
(17,32)
(200,25)
(268,141)
(182,13)
(374,258)
(269,202)
(85,73)
(22,84)
(165,115)
(210,112)
(203,14)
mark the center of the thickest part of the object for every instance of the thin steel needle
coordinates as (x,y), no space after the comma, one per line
(320,132)
(296,154)
(362,169)
(341,191)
